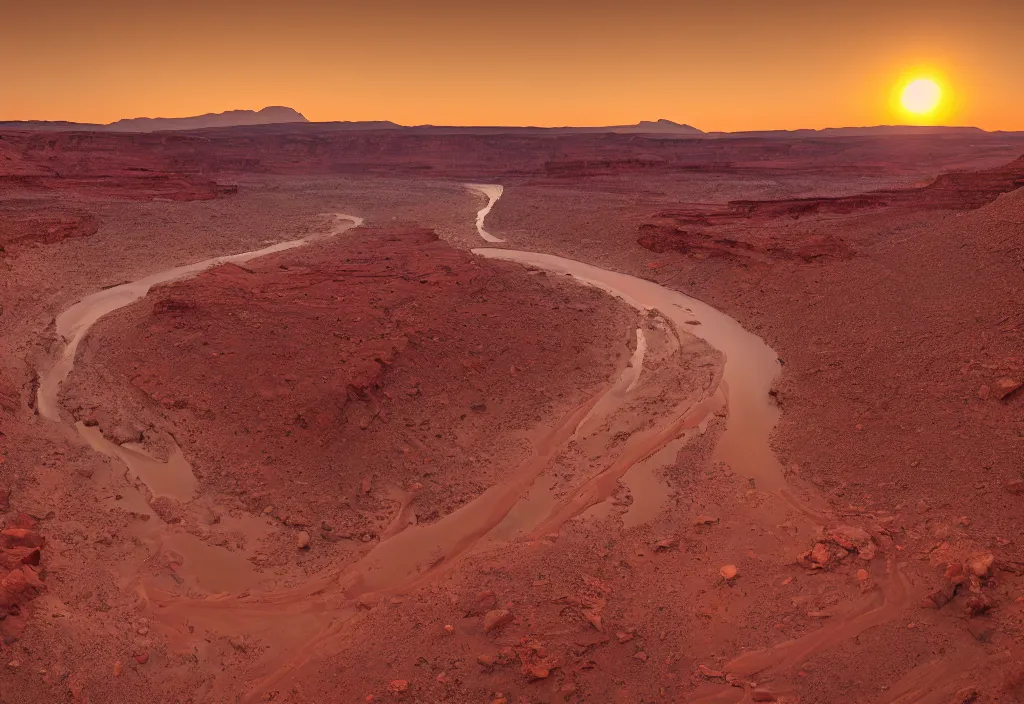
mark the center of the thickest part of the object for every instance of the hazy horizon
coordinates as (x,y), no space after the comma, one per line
(737,66)
(517,126)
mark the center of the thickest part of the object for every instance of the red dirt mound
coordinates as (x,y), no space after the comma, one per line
(337,378)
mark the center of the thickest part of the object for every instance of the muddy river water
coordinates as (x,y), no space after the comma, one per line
(751,367)
(492,193)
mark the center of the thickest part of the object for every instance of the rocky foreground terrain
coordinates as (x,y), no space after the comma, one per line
(381,468)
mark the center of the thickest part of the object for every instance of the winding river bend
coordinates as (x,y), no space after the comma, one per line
(74,323)
(751,368)
(408,556)
(173,478)
(492,193)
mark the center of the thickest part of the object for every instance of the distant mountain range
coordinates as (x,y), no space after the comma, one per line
(662,126)
(272,115)
(285,118)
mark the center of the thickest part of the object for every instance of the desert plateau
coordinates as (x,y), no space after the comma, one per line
(321,412)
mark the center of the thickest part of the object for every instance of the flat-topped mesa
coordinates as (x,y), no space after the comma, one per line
(271,115)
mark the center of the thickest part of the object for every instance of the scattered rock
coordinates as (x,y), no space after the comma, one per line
(983,391)
(819,555)
(665,544)
(625,636)
(20,537)
(398,686)
(978,604)
(123,433)
(449,629)
(142,658)
(1016,487)
(496,618)
(478,406)
(537,672)
(703,520)
(967,695)
(1004,387)
(849,537)
(705,671)
(302,540)
(981,564)
(368,601)
(594,599)
(940,596)
(641,656)
(956,574)
(867,552)
(729,572)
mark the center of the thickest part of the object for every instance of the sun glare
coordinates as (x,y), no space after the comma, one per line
(921,96)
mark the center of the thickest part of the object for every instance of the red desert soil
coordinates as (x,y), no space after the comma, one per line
(888,568)
(326,387)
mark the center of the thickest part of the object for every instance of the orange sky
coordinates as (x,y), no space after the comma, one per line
(722,65)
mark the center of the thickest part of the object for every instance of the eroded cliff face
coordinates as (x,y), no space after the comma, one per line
(324,149)
(31,219)
(807,229)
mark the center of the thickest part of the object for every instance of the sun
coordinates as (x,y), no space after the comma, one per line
(921,96)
